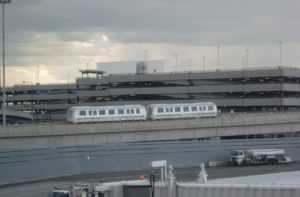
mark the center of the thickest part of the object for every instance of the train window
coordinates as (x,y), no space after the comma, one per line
(95,112)
(120,111)
(128,111)
(185,109)
(111,112)
(137,111)
(82,113)
(171,109)
(90,112)
(204,108)
(160,110)
(200,108)
(101,112)
(167,109)
(194,108)
(132,111)
(210,108)
(177,109)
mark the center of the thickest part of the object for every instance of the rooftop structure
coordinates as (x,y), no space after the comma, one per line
(89,71)
(260,89)
(133,67)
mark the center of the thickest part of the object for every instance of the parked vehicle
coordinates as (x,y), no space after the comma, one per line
(59,193)
(258,156)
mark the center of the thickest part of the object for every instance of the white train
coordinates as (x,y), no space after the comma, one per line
(83,114)
(183,110)
(106,113)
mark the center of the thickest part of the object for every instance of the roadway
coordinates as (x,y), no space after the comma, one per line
(41,188)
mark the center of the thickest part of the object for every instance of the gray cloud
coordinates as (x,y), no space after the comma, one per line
(230,21)
(60,34)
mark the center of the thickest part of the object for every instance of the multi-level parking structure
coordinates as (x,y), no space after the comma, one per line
(255,89)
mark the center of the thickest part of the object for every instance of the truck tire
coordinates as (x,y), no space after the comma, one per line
(269,161)
(272,161)
(244,162)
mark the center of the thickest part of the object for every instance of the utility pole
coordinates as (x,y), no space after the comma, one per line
(3,2)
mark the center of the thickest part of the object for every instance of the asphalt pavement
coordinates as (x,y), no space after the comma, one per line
(42,187)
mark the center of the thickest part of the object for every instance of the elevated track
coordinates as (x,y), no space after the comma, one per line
(34,152)
(225,125)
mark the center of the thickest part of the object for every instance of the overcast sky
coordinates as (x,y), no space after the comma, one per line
(61,37)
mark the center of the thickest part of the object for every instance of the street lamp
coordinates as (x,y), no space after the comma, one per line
(3,2)
(218,57)
(203,63)
(280,46)
(190,65)
(176,56)
(246,60)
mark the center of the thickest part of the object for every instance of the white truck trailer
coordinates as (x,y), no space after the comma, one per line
(258,156)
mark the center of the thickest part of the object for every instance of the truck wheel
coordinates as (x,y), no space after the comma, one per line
(244,162)
(269,161)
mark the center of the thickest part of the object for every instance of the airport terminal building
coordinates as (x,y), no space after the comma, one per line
(259,89)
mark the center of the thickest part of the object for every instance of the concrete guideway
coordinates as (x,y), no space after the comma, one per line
(16,117)
(55,135)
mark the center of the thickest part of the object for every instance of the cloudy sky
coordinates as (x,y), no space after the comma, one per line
(60,37)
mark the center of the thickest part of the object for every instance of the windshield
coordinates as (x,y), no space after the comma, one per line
(60,194)
(236,152)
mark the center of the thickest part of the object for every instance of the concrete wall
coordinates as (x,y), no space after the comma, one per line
(61,135)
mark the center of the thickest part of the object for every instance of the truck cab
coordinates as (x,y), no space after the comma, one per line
(237,157)
(59,193)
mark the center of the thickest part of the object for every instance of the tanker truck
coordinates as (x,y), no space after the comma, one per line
(258,156)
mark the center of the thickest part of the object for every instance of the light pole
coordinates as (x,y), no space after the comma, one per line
(203,63)
(3,2)
(145,55)
(176,55)
(218,57)
(280,46)
(246,60)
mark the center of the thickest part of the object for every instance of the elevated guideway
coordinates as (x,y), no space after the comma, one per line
(14,117)
(225,125)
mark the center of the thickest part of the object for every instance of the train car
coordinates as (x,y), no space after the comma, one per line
(81,114)
(183,110)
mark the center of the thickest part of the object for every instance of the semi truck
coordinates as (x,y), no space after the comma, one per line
(258,156)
